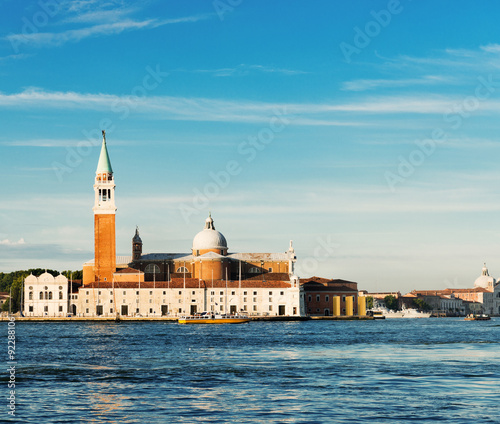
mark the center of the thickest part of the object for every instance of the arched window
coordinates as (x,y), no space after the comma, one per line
(182,269)
(152,269)
(50,295)
(254,270)
(31,296)
(60,295)
(41,295)
(46,295)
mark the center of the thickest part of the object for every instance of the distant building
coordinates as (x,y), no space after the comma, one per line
(484,297)
(324,297)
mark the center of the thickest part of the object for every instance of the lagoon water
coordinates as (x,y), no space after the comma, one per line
(388,371)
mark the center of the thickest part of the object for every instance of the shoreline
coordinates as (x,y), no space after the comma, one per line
(175,319)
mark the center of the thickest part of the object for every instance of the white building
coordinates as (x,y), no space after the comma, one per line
(46,296)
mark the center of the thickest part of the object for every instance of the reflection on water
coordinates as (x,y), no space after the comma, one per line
(444,370)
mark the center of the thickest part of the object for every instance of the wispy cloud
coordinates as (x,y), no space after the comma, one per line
(54,39)
(243,70)
(206,109)
(371,84)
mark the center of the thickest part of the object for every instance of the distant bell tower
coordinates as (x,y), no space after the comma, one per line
(104,218)
(136,246)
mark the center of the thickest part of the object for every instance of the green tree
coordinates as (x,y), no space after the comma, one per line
(391,302)
(369,302)
(421,304)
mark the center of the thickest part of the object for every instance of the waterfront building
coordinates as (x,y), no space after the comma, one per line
(208,278)
(46,295)
(324,297)
(484,297)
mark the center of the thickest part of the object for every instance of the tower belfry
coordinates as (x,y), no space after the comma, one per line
(104,217)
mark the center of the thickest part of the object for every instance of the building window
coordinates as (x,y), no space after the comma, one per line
(245,293)
(317,298)
(282,293)
(343,298)
(270,307)
(254,307)
(137,311)
(86,301)
(31,296)
(221,307)
(164,293)
(212,293)
(221,293)
(254,270)
(110,310)
(317,309)
(270,299)
(255,293)
(41,295)
(150,300)
(254,300)
(270,269)
(46,309)
(193,292)
(233,293)
(244,307)
(99,293)
(309,298)
(270,293)
(180,310)
(110,300)
(152,269)
(151,293)
(50,295)
(180,292)
(327,298)
(124,292)
(221,299)
(182,269)
(31,308)
(60,295)
(87,310)
(244,300)
(137,292)
(60,308)
(150,310)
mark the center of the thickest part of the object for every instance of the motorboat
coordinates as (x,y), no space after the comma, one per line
(477,317)
(211,318)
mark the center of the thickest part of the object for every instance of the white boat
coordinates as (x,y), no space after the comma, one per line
(405,313)
(210,318)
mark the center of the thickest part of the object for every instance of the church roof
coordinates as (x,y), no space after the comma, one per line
(104,164)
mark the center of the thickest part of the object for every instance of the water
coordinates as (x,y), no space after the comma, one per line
(392,371)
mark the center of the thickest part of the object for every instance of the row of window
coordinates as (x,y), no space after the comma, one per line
(45,308)
(45,295)
(327,298)
(193,292)
(155,269)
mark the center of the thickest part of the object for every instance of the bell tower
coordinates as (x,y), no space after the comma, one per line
(136,246)
(104,218)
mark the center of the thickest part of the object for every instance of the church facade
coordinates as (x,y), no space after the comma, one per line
(207,278)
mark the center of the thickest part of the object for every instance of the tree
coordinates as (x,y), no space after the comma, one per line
(391,302)
(369,302)
(421,304)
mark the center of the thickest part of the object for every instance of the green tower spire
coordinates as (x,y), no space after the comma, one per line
(104,164)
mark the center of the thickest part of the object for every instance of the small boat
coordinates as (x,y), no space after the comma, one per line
(404,313)
(209,318)
(477,317)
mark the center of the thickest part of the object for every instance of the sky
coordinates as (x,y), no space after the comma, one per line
(366,132)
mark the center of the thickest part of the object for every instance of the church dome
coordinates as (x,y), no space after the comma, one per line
(209,238)
(484,281)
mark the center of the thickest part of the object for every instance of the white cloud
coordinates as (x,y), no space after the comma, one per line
(371,84)
(7,242)
(54,39)
(242,70)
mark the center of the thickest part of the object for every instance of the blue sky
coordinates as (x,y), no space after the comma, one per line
(366,131)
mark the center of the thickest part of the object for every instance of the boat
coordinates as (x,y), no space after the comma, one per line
(404,313)
(477,317)
(209,318)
